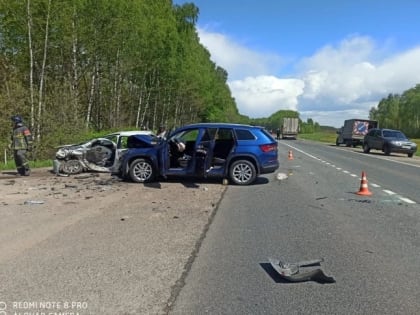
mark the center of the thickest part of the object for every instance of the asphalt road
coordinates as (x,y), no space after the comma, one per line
(370,244)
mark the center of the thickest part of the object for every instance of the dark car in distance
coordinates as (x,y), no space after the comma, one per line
(204,150)
(388,140)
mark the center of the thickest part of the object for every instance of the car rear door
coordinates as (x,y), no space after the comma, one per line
(375,140)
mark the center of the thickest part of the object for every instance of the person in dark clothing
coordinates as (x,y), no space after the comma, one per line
(21,143)
(162,132)
(278,133)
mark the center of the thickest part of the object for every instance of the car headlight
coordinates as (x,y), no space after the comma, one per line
(61,154)
(397,143)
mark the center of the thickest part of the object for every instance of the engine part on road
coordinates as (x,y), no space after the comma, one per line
(292,271)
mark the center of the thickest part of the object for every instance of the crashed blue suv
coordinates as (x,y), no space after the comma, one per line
(235,152)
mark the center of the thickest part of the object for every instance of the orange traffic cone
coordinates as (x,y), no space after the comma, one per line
(290,157)
(364,190)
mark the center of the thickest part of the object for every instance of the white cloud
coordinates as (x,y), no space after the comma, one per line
(338,82)
(239,60)
(262,96)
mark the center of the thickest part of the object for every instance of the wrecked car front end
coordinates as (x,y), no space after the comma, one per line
(94,155)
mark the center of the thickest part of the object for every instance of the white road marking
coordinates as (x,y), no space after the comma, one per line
(389,192)
(407,200)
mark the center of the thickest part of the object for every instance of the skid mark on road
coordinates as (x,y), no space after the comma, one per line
(388,192)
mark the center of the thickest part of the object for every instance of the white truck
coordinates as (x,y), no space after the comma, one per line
(290,128)
(353,131)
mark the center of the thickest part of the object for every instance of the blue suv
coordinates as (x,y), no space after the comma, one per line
(204,150)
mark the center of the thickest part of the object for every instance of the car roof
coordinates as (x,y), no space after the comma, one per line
(386,129)
(130,133)
(215,125)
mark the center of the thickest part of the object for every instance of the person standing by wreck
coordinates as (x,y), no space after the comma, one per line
(21,144)
(162,132)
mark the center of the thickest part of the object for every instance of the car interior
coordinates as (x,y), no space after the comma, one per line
(220,140)
(101,152)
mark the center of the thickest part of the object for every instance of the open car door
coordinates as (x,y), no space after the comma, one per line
(204,151)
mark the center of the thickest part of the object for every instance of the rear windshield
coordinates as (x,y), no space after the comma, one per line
(269,136)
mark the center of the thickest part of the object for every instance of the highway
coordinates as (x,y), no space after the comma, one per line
(309,209)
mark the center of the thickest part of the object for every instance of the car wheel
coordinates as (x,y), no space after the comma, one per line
(141,171)
(410,154)
(366,148)
(242,172)
(72,167)
(387,150)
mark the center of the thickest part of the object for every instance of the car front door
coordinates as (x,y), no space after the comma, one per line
(204,150)
(377,140)
(164,157)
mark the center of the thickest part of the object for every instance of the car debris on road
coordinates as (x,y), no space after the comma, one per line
(292,271)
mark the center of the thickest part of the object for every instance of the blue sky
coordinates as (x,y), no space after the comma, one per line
(330,60)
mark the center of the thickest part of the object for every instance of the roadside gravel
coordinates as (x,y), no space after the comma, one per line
(102,245)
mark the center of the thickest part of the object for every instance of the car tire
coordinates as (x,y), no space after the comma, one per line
(242,172)
(72,167)
(366,148)
(410,154)
(141,171)
(387,150)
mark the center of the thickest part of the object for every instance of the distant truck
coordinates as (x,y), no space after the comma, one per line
(290,128)
(353,131)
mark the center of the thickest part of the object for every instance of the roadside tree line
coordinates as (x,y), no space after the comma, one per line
(400,112)
(73,67)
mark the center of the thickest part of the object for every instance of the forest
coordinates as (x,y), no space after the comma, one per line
(400,112)
(76,68)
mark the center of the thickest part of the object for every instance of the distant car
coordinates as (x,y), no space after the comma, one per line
(99,154)
(388,140)
(232,151)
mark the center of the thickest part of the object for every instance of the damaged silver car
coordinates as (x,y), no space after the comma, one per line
(98,155)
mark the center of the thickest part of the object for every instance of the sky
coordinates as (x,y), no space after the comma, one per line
(330,60)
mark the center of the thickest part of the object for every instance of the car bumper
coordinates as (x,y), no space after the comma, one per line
(270,167)
(403,150)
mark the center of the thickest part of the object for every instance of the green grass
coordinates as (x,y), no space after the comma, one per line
(10,165)
(417,141)
(321,136)
(330,136)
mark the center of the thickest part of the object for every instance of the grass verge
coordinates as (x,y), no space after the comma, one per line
(10,165)
(330,137)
